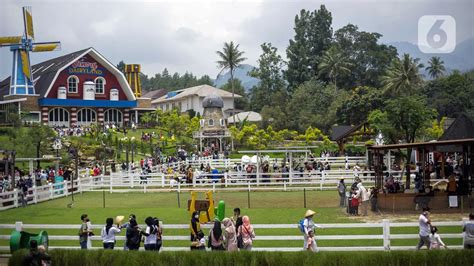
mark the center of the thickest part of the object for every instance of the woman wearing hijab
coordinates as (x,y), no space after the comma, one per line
(133,235)
(216,238)
(247,233)
(195,226)
(108,234)
(230,235)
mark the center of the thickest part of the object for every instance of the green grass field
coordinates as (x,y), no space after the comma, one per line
(266,208)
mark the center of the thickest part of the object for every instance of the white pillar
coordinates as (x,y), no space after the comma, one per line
(19,226)
(386,234)
(291,168)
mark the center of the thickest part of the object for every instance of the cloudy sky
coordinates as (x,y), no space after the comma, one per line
(183,35)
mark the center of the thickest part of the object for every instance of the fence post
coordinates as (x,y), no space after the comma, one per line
(323,177)
(284,185)
(65,186)
(19,226)
(386,234)
(35,194)
(194,180)
(110,184)
(79,184)
(162,180)
(225,179)
(51,190)
(132,177)
(15,198)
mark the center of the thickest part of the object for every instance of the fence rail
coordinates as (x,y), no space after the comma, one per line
(386,236)
(160,182)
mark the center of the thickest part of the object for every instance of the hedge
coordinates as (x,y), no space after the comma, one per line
(117,257)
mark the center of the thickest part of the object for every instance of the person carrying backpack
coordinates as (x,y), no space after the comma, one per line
(133,235)
(307,225)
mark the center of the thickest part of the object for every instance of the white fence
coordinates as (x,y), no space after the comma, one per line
(385,225)
(160,182)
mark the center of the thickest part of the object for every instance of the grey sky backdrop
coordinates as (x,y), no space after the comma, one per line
(184,35)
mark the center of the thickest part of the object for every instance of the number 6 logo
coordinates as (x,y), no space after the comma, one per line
(436,34)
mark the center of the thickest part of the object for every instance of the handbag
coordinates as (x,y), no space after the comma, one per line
(240,241)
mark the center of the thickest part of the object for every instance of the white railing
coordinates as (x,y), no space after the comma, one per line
(385,225)
(160,182)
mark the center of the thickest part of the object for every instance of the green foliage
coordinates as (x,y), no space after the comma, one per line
(403,119)
(271,90)
(403,76)
(368,59)
(436,67)
(114,257)
(313,34)
(356,108)
(173,82)
(334,64)
(451,95)
(435,131)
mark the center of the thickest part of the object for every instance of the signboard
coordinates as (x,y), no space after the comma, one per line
(82,66)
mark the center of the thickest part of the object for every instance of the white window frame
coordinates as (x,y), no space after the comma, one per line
(83,111)
(211,122)
(77,84)
(103,85)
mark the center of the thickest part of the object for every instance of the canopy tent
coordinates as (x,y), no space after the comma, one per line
(248,116)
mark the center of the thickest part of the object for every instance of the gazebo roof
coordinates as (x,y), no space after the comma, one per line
(461,128)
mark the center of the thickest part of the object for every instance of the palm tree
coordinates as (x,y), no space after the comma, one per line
(230,58)
(334,63)
(435,67)
(403,75)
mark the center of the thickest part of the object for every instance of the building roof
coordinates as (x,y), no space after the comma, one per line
(212,101)
(341,132)
(461,128)
(201,91)
(245,116)
(45,73)
(155,94)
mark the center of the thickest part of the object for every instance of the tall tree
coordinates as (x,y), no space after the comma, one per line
(369,59)
(403,119)
(334,64)
(269,72)
(313,35)
(403,76)
(230,58)
(436,67)
(362,100)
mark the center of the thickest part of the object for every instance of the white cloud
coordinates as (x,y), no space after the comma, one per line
(183,35)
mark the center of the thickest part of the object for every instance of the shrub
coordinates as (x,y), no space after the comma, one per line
(119,257)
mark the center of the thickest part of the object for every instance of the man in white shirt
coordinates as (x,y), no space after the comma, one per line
(425,223)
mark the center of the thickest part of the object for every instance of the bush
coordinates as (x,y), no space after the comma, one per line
(118,257)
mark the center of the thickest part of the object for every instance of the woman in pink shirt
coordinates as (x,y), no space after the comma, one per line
(247,233)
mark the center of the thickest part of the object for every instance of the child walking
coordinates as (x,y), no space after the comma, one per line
(310,244)
(435,239)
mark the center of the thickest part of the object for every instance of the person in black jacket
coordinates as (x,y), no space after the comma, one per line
(133,235)
(36,256)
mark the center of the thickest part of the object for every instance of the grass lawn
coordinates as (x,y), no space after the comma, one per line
(266,208)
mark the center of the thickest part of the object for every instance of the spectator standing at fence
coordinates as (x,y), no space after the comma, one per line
(373,199)
(468,233)
(195,226)
(84,231)
(425,223)
(133,235)
(363,196)
(247,233)
(216,238)
(230,235)
(159,233)
(308,226)
(108,234)
(150,234)
(237,219)
(341,188)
